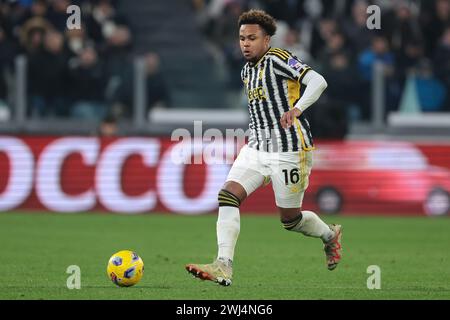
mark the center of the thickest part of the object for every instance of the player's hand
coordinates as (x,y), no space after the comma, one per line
(288,118)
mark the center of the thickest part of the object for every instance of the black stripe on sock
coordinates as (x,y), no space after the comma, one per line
(227,199)
(290,224)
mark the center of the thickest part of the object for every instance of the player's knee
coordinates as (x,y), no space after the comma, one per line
(227,199)
(291,224)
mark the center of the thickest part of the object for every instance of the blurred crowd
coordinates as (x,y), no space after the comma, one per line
(88,73)
(413,44)
(82,73)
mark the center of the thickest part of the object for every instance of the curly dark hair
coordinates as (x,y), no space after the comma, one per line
(261,18)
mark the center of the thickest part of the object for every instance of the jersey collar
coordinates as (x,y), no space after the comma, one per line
(260,59)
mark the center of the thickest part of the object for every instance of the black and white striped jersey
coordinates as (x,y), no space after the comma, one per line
(273,85)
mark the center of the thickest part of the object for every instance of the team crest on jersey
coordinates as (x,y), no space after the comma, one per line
(294,63)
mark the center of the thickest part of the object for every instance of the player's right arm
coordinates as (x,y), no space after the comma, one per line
(290,67)
(315,85)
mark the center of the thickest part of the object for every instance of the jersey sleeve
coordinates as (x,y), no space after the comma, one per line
(289,66)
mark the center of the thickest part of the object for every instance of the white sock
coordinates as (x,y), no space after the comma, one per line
(311,225)
(228,227)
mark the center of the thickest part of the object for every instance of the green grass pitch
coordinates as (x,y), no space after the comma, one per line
(270,263)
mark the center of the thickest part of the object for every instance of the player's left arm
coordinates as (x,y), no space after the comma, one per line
(315,85)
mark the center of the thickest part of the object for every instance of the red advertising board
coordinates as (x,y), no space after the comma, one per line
(140,174)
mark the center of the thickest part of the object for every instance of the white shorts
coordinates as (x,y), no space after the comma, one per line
(288,171)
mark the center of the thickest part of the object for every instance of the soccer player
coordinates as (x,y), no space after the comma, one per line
(280,87)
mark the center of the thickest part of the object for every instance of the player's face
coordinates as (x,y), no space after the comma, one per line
(254,41)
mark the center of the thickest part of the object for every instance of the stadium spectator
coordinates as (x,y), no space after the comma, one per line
(157,92)
(198,5)
(57,14)
(32,34)
(288,11)
(117,49)
(434,23)
(87,85)
(321,34)
(104,21)
(77,41)
(335,44)
(401,26)
(442,64)
(32,38)
(346,86)
(39,8)
(402,29)
(12,17)
(119,64)
(47,69)
(293,43)
(222,32)
(108,127)
(430,91)
(379,51)
(355,29)
(7,53)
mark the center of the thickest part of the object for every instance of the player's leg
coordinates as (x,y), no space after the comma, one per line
(289,180)
(309,224)
(243,179)
(305,222)
(228,223)
(241,182)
